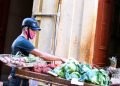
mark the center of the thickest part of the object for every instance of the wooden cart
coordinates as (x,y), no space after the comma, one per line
(51,80)
(47,78)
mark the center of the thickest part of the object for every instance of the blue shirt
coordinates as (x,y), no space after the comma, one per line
(21,44)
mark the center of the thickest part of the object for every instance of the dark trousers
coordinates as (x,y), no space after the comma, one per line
(17,81)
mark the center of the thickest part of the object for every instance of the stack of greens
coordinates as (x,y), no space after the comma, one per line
(82,72)
(31,58)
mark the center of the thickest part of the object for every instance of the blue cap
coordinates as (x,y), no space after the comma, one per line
(32,23)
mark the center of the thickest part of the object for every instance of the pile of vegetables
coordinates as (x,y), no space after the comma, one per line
(27,59)
(43,68)
(21,61)
(82,72)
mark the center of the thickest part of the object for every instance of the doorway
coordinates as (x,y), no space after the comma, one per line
(17,10)
(107,38)
(114,43)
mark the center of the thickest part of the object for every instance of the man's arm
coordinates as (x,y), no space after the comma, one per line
(47,56)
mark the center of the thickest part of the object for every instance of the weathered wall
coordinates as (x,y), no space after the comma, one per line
(71,33)
(70,28)
(88,30)
(45,12)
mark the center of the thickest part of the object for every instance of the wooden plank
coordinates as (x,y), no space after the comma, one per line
(46,12)
(43,77)
(36,6)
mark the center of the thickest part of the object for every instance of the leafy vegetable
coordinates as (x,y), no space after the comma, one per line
(83,72)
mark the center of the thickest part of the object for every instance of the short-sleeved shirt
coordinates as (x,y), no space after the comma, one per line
(21,44)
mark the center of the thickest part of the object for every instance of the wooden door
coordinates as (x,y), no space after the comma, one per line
(4,9)
(104,20)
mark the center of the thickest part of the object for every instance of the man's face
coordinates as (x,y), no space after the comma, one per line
(32,33)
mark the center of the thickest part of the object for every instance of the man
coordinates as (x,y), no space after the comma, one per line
(23,45)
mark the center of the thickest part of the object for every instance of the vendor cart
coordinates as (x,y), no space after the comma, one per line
(46,78)
(51,80)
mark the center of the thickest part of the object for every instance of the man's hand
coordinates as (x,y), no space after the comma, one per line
(63,59)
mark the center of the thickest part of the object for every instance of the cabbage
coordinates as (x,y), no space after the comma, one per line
(70,67)
(59,71)
(84,68)
(96,76)
(75,75)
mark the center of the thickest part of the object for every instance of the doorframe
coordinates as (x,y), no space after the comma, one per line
(102,34)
